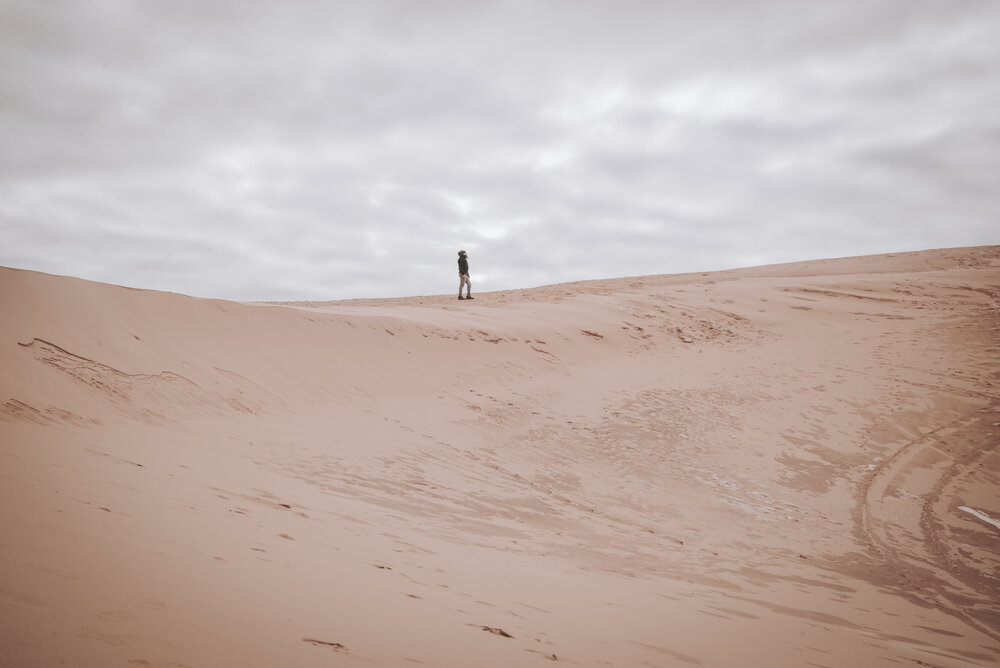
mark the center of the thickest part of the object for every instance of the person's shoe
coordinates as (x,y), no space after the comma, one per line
(461,297)
(470,297)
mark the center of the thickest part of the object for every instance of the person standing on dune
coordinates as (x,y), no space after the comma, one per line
(463,276)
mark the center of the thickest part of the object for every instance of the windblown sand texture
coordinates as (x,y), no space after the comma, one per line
(792,465)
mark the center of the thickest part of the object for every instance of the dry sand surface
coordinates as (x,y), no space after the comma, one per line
(793,465)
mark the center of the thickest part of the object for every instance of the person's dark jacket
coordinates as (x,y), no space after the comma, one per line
(463,265)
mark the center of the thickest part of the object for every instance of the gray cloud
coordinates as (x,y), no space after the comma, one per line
(324,150)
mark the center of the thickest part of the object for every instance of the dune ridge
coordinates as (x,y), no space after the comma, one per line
(787,465)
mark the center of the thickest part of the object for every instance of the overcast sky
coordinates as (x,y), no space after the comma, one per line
(332,149)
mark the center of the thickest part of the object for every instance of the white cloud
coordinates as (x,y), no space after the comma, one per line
(322,150)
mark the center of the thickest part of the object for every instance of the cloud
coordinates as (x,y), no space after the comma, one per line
(327,150)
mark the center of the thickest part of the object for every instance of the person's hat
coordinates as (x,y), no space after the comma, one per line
(461,252)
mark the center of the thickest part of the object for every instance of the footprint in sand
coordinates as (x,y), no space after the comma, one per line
(550,657)
(323,643)
(494,630)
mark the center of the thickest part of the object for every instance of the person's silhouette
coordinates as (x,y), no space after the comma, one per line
(463,276)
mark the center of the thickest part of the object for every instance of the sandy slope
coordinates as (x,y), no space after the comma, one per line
(793,465)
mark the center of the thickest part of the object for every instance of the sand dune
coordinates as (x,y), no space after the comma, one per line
(793,465)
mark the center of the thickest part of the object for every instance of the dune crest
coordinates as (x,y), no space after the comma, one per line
(788,465)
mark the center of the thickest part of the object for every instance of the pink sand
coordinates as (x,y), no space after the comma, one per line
(761,467)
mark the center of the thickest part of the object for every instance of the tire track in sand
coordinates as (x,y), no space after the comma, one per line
(909,508)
